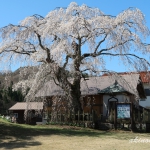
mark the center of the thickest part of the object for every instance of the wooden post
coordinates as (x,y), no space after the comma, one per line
(93,115)
(69,116)
(57,116)
(115,116)
(131,109)
(149,116)
(139,116)
(78,115)
(74,116)
(60,117)
(83,115)
(87,116)
(50,116)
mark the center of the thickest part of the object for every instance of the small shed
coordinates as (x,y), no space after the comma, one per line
(35,109)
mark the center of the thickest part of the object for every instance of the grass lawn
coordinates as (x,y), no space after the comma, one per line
(50,137)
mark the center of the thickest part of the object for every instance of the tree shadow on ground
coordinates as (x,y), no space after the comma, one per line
(26,131)
(13,136)
(14,144)
(24,135)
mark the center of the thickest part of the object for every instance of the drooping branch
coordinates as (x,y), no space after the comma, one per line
(15,48)
(48,40)
(133,55)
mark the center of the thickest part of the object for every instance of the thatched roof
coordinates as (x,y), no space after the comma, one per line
(94,85)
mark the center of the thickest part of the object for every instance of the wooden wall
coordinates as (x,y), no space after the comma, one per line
(20,113)
(93,103)
(89,103)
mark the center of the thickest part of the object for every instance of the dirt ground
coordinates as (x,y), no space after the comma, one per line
(61,142)
(25,137)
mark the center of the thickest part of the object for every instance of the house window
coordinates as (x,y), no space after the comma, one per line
(16,115)
(142,99)
(147,92)
(45,115)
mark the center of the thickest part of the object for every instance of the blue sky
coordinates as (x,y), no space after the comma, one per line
(13,11)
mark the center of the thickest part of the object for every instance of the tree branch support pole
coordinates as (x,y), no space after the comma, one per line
(132,126)
(115,116)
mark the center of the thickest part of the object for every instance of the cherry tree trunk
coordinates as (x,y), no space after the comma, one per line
(72,90)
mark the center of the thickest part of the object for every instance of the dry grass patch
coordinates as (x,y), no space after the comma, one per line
(22,137)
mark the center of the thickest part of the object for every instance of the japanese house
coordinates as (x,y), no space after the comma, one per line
(98,93)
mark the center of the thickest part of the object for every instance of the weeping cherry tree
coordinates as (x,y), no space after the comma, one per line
(69,42)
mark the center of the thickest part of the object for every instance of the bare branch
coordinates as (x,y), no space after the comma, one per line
(100,43)
(94,54)
(133,55)
(67,58)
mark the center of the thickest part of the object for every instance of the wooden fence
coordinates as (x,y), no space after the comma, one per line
(138,117)
(76,119)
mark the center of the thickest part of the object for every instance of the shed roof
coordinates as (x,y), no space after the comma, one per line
(29,105)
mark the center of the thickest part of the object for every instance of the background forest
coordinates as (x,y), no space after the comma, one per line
(8,95)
